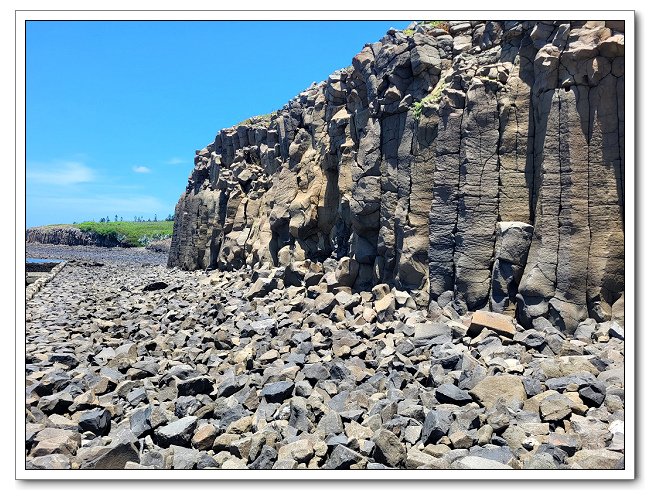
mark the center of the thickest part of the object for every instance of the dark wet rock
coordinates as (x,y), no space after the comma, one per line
(436,425)
(155,286)
(58,403)
(277,391)
(194,386)
(229,387)
(97,421)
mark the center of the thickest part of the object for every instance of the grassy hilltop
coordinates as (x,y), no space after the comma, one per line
(135,234)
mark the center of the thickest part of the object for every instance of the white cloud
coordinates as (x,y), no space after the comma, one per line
(141,169)
(60,173)
(175,161)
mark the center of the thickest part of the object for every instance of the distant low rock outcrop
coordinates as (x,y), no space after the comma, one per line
(479,162)
(69,235)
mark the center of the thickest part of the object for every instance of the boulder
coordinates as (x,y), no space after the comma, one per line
(388,448)
(277,392)
(179,432)
(496,322)
(496,388)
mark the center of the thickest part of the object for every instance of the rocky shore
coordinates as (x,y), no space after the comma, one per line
(133,365)
(89,253)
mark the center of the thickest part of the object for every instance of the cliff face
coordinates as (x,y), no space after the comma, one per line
(482,162)
(70,236)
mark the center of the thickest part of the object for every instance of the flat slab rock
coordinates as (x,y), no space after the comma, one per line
(499,323)
(493,389)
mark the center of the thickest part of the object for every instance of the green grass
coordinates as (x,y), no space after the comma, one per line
(433,97)
(132,233)
(443,25)
(264,120)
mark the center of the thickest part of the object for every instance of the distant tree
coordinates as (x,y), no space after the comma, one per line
(108,219)
(155,217)
(102,220)
(115,217)
(121,219)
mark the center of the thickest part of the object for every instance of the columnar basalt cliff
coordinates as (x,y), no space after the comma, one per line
(479,162)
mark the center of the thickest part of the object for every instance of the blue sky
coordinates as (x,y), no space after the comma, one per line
(115,110)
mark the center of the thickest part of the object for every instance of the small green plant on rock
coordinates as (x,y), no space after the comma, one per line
(429,25)
(433,97)
(264,120)
(441,25)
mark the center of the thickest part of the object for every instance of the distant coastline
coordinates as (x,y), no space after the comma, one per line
(103,234)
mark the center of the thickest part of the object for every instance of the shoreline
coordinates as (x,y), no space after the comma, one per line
(86,253)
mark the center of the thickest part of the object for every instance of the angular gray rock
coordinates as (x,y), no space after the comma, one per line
(436,425)
(388,448)
(178,432)
(449,393)
(97,421)
(277,391)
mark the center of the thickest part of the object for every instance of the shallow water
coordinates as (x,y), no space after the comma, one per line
(30,260)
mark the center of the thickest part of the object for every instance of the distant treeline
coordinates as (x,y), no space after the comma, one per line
(116,218)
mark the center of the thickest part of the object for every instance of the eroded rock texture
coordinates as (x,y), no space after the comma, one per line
(484,159)
(70,235)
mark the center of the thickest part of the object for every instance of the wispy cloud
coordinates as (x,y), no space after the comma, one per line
(176,161)
(60,173)
(141,169)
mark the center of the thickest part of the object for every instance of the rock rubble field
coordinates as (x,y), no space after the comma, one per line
(132,365)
